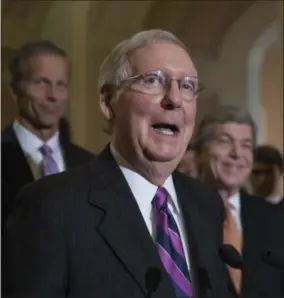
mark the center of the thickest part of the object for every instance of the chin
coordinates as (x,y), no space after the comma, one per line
(160,156)
(49,122)
(231,183)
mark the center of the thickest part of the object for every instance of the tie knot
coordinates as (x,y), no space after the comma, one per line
(45,150)
(160,202)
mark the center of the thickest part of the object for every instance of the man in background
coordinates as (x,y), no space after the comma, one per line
(188,164)
(267,174)
(33,147)
(111,227)
(224,144)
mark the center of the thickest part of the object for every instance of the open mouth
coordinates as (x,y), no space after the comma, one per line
(166,128)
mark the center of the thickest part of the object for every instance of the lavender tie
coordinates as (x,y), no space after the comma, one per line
(48,165)
(170,246)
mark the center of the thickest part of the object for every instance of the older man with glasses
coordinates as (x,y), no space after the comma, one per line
(126,225)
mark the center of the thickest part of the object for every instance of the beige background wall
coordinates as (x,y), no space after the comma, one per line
(220,43)
(272,94)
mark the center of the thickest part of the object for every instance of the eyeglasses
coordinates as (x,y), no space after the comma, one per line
(158,82)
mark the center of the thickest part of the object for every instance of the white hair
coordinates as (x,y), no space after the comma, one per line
(116,66)
(220,115)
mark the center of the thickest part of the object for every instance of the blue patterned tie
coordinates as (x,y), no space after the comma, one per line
(48,165)
(170,246)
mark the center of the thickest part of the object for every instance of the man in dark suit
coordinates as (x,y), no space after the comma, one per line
(267,174)
(39,85)
(224,144)
(98,230)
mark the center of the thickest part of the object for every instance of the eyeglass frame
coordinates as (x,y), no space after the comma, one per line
(154,72)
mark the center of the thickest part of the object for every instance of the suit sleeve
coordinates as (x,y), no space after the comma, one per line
(34,258)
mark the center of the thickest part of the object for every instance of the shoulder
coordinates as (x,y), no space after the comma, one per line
(197,186)
(59,188)
(58,199)
(204,196)
(8,134)
(79,151)
(254,201)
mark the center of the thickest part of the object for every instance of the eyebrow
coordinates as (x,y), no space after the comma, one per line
(48,81)
(225,134)
(167,72)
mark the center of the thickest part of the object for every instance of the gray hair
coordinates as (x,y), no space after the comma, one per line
(222,114)
(116,66)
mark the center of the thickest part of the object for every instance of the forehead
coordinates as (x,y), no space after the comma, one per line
(238,131)
(47,64)
(165,56)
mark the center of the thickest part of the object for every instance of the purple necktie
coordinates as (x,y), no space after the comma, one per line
(48,165)
(170,246)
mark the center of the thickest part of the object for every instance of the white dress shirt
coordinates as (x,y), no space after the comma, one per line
(30,145)
(235,205)
(144,192)
(274,199)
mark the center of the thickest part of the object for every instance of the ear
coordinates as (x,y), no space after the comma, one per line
(105,105)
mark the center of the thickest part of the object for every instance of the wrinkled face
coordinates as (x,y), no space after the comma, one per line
(264,178)
(43,92)
(156,127)
(229,154)
(188,164)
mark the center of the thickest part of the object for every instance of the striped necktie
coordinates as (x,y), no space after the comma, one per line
(48,165)
(170,246)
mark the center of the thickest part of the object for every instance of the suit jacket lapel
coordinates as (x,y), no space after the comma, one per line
(198,236)
(70,159)
(123,227)
(250,225)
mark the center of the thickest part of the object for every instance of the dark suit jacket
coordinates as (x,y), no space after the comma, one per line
(81,234)
(16,171)
(263,229)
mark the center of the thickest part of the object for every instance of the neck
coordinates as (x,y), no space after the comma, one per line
(225,192)
(43,133)
(155,172)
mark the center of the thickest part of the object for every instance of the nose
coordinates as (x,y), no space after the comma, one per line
(235,152)
(172,98)
(51,93)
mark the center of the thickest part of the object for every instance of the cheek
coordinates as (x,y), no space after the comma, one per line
(34,97)
(63,97)
(190,114)
(27,101)
(132,114)
(249,160)
(218,155)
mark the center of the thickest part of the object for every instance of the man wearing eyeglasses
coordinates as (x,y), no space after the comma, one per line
(224,146)
(113,228)
(267,174)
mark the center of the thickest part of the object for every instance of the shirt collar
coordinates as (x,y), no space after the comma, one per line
(235,202)
(30,143)
(141,188)
(274,199)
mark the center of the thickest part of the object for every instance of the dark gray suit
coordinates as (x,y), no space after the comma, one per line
(81,234)
(263,229)
(15,169)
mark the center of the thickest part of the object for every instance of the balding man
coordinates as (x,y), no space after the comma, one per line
(98,231)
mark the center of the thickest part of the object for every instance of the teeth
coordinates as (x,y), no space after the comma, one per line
(165,131)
